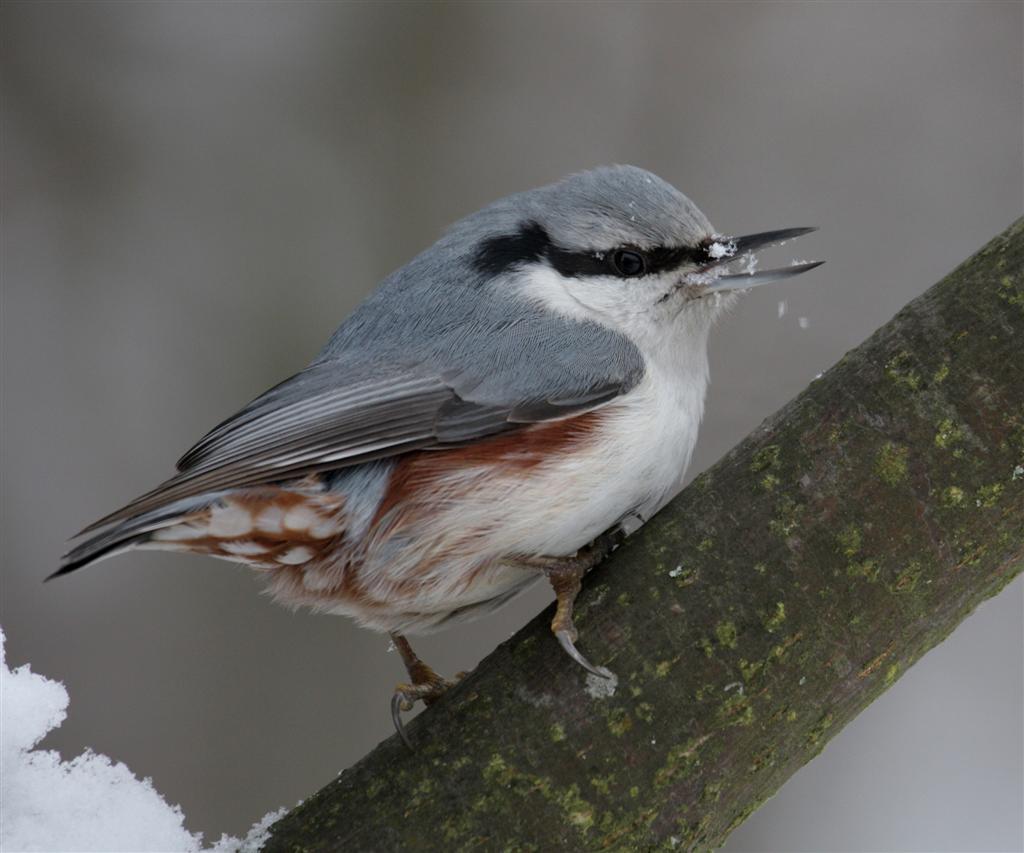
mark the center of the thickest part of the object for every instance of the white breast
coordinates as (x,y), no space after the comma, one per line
(631,467)
(656,429)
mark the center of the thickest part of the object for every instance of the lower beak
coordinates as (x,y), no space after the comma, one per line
(727,250)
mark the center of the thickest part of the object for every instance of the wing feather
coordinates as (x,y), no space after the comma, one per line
(277,438)
(356,404)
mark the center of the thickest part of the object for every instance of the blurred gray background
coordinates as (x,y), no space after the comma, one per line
(195,194)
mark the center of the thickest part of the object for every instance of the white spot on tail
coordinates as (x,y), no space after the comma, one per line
(271,519)
(243,548)
(300,518)
(229,521)
(296,556)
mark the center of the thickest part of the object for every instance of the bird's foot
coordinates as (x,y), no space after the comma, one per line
(407,695)
(566,578)
(426,687)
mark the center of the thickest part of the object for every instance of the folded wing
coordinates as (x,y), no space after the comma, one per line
(335,413)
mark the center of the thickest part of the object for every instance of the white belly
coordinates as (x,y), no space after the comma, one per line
(631,468)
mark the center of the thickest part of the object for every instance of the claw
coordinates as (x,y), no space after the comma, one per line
(406,696)
(567,641)
(565,576)
(427,686)
(397,703)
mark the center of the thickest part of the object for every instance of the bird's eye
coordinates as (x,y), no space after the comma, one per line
(629,264)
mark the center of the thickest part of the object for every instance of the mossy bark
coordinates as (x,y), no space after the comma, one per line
(748,622)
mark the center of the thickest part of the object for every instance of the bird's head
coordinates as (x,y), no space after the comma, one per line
(620,246)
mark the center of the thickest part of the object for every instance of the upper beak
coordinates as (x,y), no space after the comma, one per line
(727,250)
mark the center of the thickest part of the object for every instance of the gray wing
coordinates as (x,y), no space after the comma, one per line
(359,402)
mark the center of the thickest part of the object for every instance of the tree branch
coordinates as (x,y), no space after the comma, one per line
(748,622)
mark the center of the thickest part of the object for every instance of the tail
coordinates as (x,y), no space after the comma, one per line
(267,527)
(136,531)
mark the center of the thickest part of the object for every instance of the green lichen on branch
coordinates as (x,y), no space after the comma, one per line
(748,622)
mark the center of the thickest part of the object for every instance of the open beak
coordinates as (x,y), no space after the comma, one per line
(723,251)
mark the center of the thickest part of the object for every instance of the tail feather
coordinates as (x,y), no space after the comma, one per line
(133,532)
(88,553)
(265,527)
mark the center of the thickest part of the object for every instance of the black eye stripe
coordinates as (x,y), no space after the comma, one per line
(667,259)
(532,243)
(499,254)
(656,261)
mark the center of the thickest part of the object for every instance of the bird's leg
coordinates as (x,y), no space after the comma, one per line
(565,576)
(427,686)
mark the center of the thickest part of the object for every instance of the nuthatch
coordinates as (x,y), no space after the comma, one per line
(504,407)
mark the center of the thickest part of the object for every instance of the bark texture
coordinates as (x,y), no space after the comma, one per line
(748,622)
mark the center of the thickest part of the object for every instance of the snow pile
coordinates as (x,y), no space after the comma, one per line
(88,803)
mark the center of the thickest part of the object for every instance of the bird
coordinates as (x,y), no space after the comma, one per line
(507,406)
